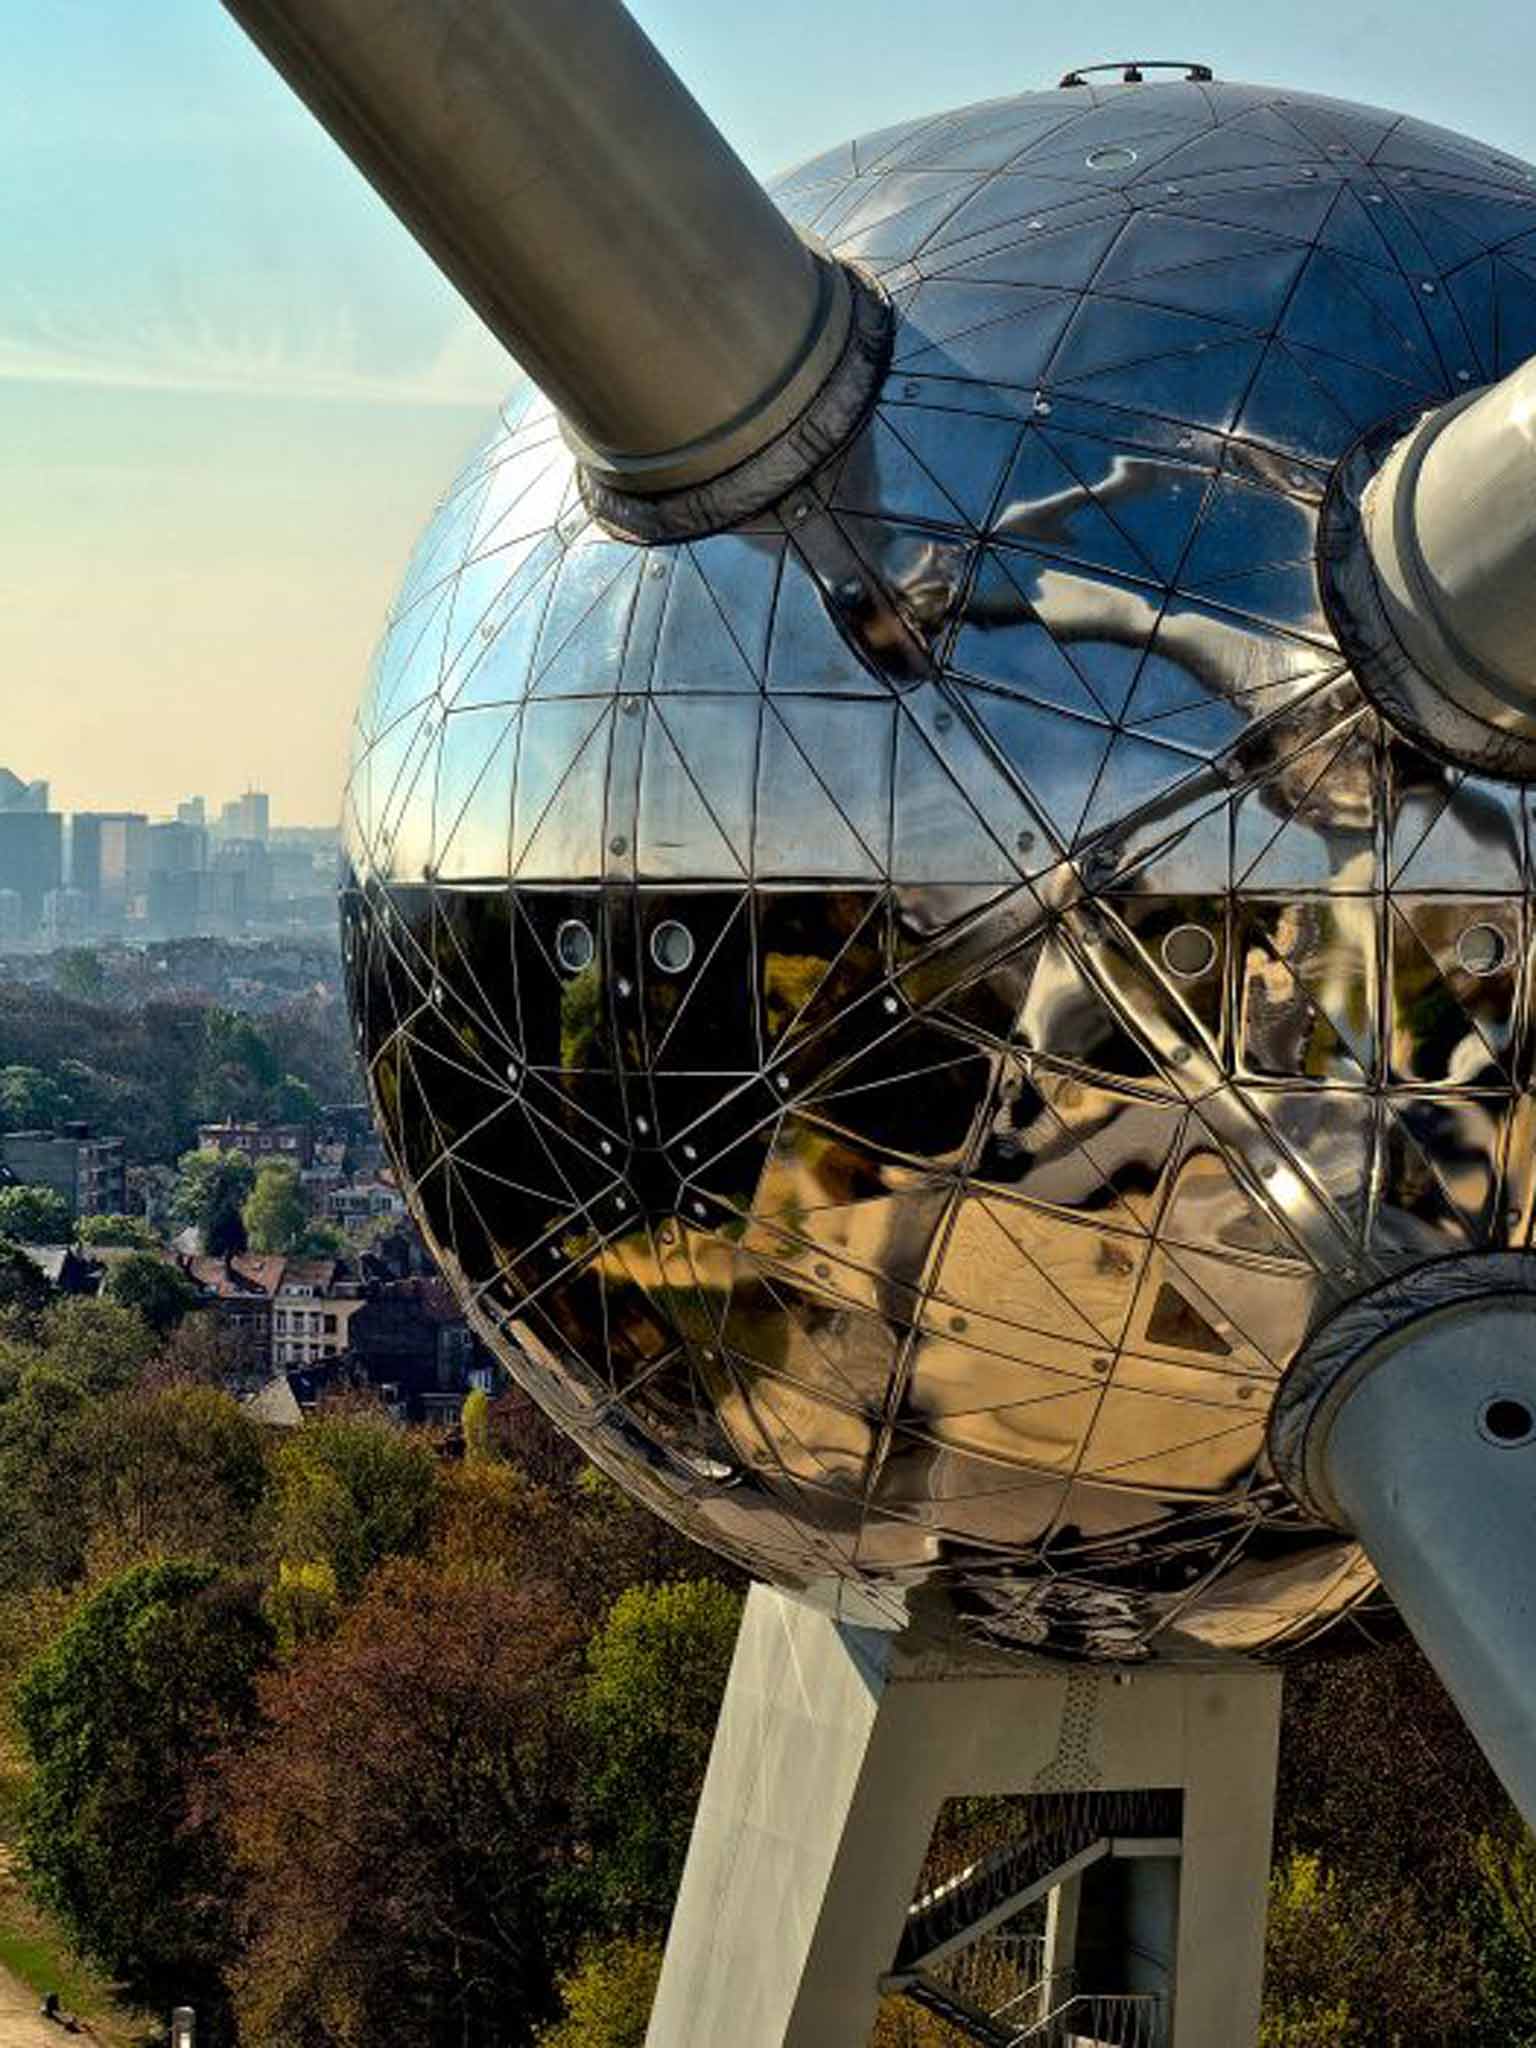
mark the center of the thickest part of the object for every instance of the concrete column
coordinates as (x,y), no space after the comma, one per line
(1063,1909)
(1232,1736)
(836,1748)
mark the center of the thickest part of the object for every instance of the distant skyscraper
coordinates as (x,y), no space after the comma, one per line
(246,817)
(31,858)
(16,795)
(109,859)
(193,812)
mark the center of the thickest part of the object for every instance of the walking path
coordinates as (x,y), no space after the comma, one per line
(20,2026)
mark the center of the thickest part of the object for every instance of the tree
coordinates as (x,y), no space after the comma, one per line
(161,1292)
(102,1344)
(1382,1785)
(398,1822)
(130,1233)
(169,1471)
(154,1675)
(607,1998)
(237,1067)
(293,1101)
(30,1100)
(24,1289)
(78,972)
(35,1215)
(275,1213)
(1311,1959)
(353,1489)
(211,1187)
(1504,1919)
(656,1671)
(476,1423)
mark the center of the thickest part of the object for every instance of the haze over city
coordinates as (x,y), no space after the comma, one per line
(231,388)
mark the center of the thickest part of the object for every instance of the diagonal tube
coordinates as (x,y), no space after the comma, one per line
(567,183)
(1450,523)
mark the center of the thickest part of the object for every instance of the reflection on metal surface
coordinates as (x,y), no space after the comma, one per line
(1085,990)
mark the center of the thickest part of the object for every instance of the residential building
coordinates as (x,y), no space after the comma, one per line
(240,1289)
(411,1340)
(88,1171)
(363,1202)
(312,1310)
(259,1142)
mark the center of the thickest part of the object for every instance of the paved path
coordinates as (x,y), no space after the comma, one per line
(20,2026)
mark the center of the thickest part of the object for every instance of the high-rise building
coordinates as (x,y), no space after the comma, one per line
(109,859)
(193,812)
(31,859)
(16,795)
(246,817)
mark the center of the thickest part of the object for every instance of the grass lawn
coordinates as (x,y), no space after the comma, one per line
(35,1952)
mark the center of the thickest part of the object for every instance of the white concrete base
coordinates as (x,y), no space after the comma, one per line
(836,1749)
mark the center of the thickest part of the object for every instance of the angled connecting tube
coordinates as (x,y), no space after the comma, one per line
(566,182)
(1450,525)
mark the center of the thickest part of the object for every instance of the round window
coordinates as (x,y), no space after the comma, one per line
(672,947)
(575,947)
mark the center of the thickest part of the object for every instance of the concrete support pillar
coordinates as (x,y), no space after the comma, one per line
(836,1748)
(1063,1911)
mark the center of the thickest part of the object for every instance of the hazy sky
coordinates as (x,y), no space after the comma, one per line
(231,388)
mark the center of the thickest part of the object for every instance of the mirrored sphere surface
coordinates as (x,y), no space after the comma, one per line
(897,1019)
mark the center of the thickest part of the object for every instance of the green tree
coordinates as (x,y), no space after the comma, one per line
(31,1100)
(477,1426)
(321,1240)
(128,1233)
(275,1213)
(35,1215)
(78,972)
(152,1677)
(1312,1957)
(1504,1918)
(237,1068)
(353,1489)
(40,1538)
(162,1471)
(292,1101)
(24,1290)
(211,1187)
(161,1292)
(606,2000)
(103,1344)
(656,1671)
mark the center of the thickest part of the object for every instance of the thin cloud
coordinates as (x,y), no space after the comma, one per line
(469,368)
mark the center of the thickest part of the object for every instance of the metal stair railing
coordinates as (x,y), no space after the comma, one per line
(1100,2020)
(993,1888)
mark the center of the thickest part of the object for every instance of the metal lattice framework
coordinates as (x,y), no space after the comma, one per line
(898,1018)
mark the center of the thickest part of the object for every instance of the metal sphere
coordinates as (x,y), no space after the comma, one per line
(898,1018)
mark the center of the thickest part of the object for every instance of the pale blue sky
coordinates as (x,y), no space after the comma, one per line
(230,386)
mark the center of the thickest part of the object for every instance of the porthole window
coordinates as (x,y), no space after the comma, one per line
(575,947)
(672,947)
(1189,951)
(1481,949)
(1114,158)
